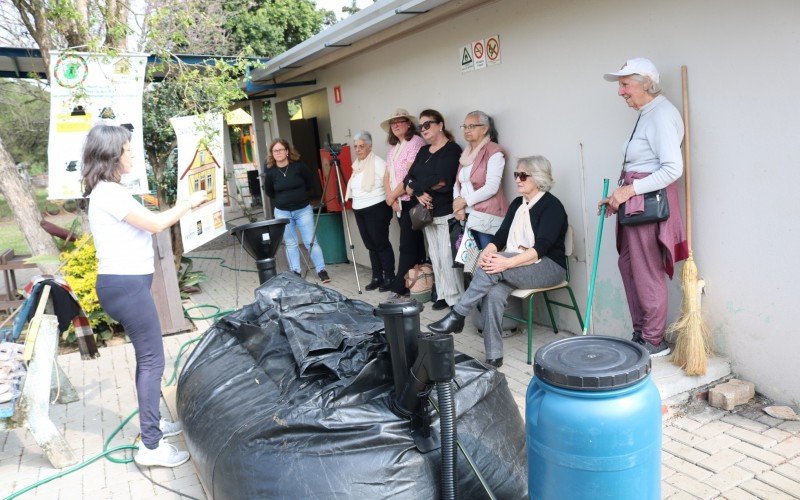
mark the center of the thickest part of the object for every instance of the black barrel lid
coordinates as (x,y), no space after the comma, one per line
(400,306)
(592,363)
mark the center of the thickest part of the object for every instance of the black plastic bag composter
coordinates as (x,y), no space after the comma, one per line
(289,398)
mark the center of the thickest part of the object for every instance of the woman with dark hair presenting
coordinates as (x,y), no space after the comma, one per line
(122,230)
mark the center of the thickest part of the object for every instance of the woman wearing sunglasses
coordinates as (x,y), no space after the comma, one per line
(532,234)
(478,197)
(430,180)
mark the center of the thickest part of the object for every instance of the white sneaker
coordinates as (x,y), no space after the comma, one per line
(169,429)
(165,455)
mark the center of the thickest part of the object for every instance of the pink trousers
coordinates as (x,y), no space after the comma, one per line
(641,265)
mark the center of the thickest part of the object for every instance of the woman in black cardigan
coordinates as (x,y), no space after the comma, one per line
(532,235)
(430,182)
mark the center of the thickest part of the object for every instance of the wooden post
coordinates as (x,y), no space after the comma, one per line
(166,293)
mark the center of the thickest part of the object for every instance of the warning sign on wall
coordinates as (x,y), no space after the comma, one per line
(479,54)
(467,63)
(493,54)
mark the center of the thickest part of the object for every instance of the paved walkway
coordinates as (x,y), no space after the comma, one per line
(707,453)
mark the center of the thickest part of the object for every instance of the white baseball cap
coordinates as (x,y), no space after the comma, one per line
(635,66)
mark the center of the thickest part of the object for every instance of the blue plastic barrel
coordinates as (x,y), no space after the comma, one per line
(593,422)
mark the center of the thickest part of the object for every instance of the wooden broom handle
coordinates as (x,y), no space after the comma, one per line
(687,158)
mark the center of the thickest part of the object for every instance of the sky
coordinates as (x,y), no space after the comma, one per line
(336,5)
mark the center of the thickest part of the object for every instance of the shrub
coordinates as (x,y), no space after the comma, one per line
(80,271)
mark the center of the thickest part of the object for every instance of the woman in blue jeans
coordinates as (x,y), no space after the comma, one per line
(122,230)
(287,182)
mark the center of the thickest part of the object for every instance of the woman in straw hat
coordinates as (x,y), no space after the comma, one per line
(652,161)
(405,143)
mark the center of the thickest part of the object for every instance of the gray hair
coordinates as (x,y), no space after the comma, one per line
(652,87)
(538,167)
(363,135)
(101,154)
(487,120)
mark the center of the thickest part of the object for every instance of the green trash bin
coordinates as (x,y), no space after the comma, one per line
(330,235)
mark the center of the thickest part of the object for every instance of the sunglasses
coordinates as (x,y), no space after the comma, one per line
(427,124)
(521,176)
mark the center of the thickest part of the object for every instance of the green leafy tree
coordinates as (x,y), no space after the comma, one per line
(270,27)
(24,122)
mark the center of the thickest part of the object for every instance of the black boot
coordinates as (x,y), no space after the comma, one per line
(439,305)
(388,281)
(452,323)
(375,283)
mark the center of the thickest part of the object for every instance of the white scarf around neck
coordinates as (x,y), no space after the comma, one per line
(520,235)
(366,168)
(469,154)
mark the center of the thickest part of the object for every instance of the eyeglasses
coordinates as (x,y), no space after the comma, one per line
(398,122)
(521,176)
(361,146)
(472,126)
(427,124)
(279,151)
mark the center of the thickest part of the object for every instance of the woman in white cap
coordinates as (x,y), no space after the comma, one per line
(651,161)
(405,143)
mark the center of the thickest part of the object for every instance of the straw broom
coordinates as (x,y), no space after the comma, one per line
(693,344)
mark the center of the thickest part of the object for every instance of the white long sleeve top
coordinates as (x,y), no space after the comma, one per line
(494,174)
(656,146)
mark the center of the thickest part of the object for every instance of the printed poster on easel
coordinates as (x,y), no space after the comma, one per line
(201,168)
(87,89)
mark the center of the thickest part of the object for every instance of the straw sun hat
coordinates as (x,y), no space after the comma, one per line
(398,113)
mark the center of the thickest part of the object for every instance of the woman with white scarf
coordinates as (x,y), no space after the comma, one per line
(532,234)
(478,196)
(371,211)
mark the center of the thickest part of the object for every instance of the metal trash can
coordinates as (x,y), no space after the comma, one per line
(593,422)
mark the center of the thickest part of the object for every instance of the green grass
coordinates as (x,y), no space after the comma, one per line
(11,237)
(41,201)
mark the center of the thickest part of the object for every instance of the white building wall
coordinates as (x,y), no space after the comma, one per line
(548,97)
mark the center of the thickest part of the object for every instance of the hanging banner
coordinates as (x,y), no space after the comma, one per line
(87,89)
(201,168)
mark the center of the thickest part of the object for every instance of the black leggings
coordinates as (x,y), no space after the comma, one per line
(127,299)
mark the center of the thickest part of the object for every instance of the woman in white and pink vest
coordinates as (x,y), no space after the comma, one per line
(478,195)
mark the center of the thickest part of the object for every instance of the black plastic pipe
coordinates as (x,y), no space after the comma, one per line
(444,391)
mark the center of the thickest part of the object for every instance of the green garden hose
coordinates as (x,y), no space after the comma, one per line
(107,452)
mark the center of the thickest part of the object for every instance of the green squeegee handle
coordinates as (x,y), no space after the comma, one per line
(597,241)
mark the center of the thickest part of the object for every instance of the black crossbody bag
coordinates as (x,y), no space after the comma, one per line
(656,207)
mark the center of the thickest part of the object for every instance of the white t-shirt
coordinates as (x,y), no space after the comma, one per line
(121,247)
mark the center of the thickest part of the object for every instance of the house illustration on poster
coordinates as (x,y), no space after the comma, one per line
(202,173)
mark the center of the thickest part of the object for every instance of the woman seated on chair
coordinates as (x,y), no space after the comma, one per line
(532,234)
